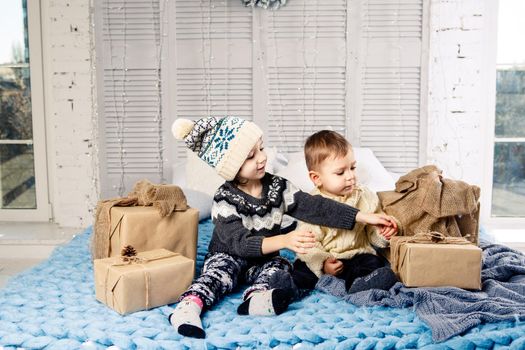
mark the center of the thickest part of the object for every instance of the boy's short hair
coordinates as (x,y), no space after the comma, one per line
(324,144)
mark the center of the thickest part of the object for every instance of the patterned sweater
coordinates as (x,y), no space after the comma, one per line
(344,243)
(242,221)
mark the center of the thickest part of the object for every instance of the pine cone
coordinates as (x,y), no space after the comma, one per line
(128,251)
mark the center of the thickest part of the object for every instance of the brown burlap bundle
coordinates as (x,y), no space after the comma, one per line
(422,237)
(165,198)
(424,201)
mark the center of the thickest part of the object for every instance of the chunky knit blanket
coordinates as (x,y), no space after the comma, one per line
(449,311)
(53,306)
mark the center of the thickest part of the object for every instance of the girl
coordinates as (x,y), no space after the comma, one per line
(247,213)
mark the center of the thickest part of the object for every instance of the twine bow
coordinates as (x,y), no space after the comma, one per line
(431,237)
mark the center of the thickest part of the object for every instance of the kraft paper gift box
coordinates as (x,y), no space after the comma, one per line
(153,278)
(144,229)
(436,264)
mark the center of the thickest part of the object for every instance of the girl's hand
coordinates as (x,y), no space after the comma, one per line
(299,241)
(332,266)
(375,219)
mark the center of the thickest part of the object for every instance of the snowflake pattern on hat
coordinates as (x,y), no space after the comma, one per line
(222,142)
(223,133)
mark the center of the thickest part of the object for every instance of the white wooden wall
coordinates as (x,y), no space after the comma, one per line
(352,66)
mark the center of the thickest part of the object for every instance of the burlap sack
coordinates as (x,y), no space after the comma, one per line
(424,201)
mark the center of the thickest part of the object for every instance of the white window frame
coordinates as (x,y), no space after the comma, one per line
(42,211)
(492,223)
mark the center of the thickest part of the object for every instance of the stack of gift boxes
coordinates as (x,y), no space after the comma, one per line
(439,219)
(148,258)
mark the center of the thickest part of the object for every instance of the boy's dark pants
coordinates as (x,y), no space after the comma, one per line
(358,266)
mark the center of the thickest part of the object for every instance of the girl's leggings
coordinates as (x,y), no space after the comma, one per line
(221,273)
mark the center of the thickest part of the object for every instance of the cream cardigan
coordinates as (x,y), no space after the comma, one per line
(340,243)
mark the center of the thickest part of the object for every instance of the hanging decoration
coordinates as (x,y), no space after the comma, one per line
(266,4)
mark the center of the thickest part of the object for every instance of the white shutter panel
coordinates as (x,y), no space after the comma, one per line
(389,80)
(210,67)
(131,145)
(306,63)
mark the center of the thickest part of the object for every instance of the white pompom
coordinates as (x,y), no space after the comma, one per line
(181,128)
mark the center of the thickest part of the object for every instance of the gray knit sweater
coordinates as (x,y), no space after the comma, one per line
(242,221)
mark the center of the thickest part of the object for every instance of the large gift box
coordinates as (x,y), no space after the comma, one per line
(144,229)
(147,280)
(428,262)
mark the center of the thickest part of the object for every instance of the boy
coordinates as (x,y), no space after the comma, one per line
(347,254)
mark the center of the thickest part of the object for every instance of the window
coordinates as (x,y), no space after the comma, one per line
(23,180)
(508,191)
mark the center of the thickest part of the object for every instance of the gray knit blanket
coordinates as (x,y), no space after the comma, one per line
(449,311)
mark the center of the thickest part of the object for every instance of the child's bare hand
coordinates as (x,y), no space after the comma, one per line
(388,231)
(332,266)
(375,219)
(299,241)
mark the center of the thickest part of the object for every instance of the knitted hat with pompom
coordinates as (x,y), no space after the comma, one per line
(222,142)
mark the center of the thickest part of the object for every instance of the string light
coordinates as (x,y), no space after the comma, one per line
(94,152)
(276,70)
(120,98)
(206,54)
(302,88)
(159,118)
(119,115)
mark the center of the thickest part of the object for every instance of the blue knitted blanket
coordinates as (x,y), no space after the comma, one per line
(53,306)
(449,311)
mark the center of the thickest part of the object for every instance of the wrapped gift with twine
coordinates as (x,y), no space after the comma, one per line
(141,282)
(144,229)
(150,217)
(434,260)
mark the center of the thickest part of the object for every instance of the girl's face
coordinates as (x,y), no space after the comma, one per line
(254,166)
(336,175)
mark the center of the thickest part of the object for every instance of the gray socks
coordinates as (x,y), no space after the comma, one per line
(186,319)
(382,278)
(266,303)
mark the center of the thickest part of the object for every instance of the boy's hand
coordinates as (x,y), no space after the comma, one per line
(299,241)
(332,266)
(388,231)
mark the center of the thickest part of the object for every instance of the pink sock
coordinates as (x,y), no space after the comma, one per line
(195,299)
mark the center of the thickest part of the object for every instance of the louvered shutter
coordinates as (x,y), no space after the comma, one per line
(306,64)
(388,80)
(210,69)
(127,37)
(351,66)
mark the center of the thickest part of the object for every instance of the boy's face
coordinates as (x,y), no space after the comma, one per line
(336,175)
(254,167)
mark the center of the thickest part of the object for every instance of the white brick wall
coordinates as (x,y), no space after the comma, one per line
(457,107)
(69,116)
(456,122)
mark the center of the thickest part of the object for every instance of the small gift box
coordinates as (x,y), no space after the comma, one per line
(147,280)
(433,260)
